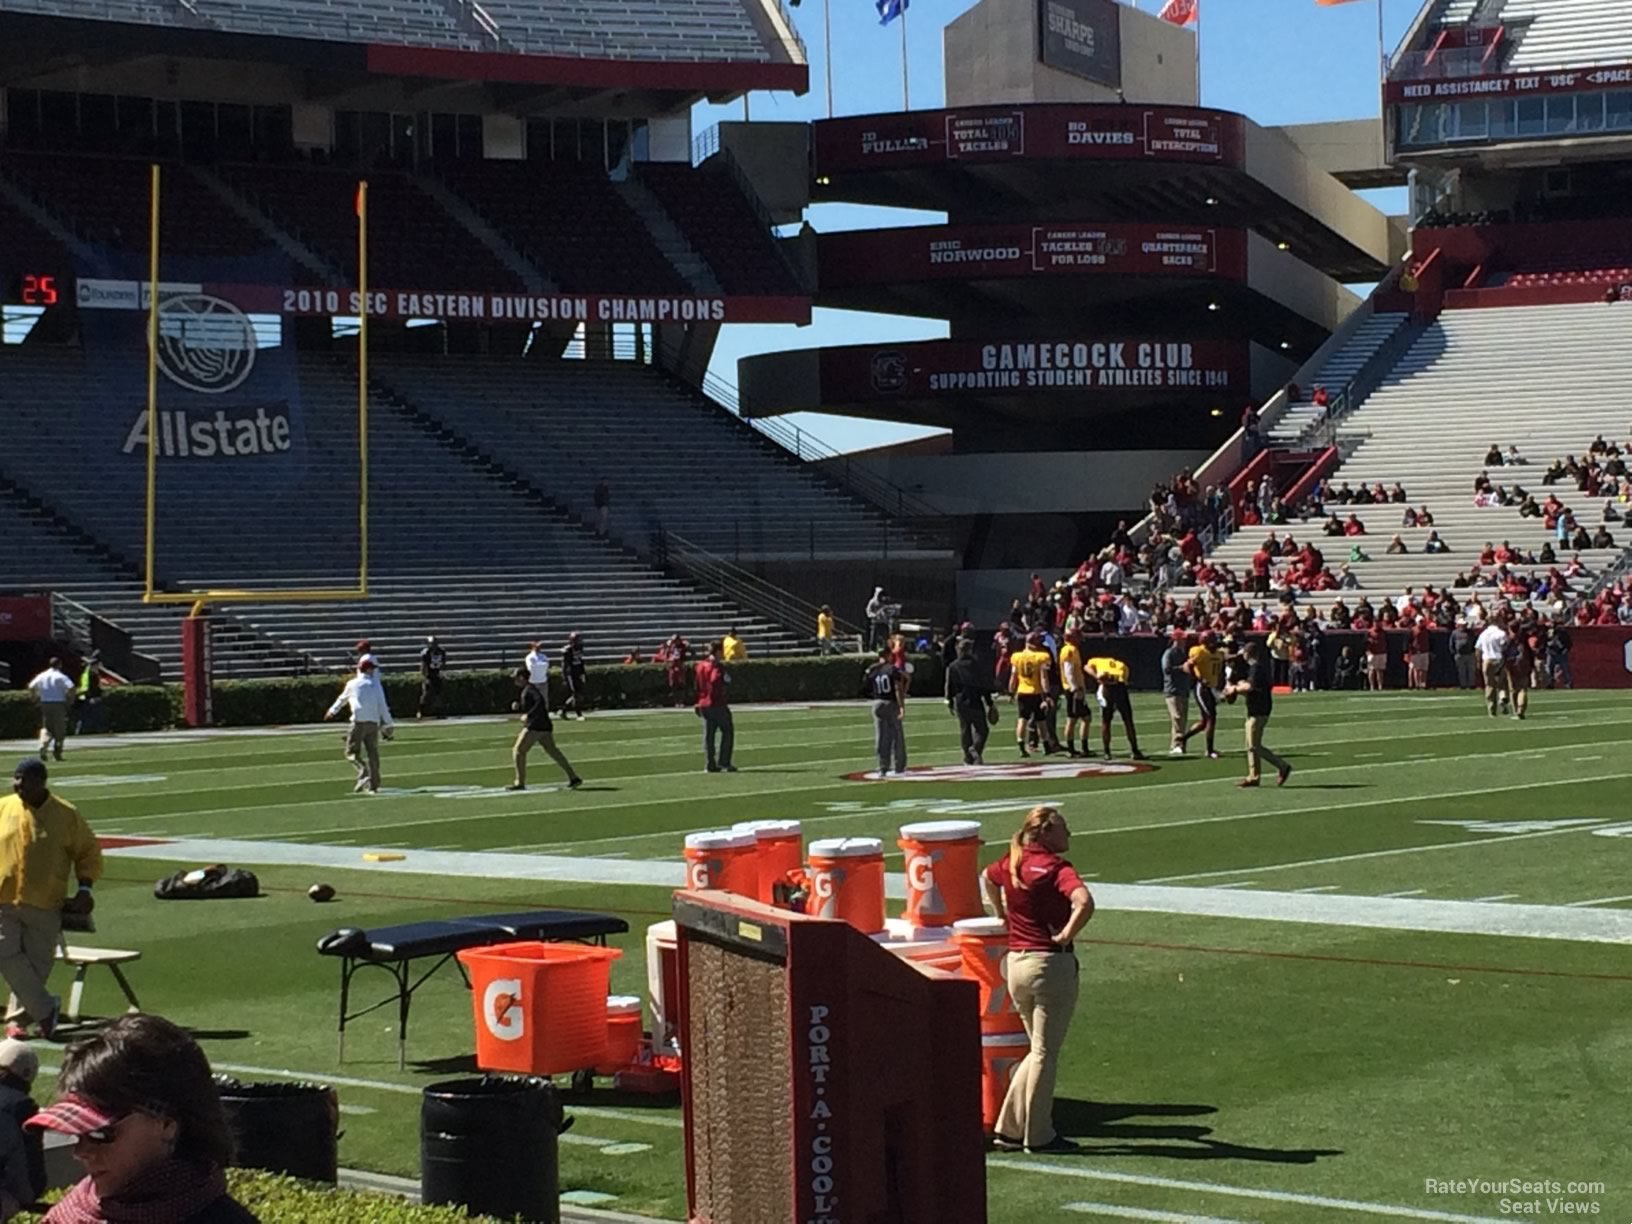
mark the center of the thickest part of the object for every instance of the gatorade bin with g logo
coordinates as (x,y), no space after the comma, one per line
(724,860)
(984,943)
(943,871)
(1000,1054)
(623,1034)
(781,848)
(540,1007)
(847,881)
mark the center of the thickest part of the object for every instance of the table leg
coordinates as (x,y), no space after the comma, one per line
(76,994)
(345,998)
(124,985)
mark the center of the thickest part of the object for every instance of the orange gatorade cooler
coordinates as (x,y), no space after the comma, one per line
(1000,1054)
(984,943)
(847,881)
(540,1007)
(943,871)
(623,1034)
(724,860)
(781,848)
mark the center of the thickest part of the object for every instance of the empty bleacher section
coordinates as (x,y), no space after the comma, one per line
(415,243)
(419,22)
(1545,379)
(699,31)
(105,201)
(1566,33)
(568,220)
(454,549)
(714,214)
(673,460)
(1335,372)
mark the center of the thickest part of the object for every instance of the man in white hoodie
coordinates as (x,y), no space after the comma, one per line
(370,719)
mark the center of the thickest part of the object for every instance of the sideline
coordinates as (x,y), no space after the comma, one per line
(1321,909)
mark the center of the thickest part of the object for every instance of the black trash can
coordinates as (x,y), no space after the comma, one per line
(288,1128)
(489,1145)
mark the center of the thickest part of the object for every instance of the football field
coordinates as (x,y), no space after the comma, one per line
(1397,987)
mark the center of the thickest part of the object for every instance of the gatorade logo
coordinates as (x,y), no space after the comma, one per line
(823,886)
(700,873)
(1020,771)
(921,882)
(501,1009)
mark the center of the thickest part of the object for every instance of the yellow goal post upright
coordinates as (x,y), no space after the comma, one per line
(196,669)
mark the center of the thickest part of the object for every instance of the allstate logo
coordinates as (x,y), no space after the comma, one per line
(206,344)
(889,372)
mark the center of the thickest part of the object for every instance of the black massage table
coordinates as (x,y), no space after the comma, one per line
(395,948)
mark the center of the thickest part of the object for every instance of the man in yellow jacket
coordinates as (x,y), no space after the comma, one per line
(41,840)
(1112,676)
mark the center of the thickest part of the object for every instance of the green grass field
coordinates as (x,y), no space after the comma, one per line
(1299,1004)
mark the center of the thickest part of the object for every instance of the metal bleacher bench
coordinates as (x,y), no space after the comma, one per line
(395,948)
(82,959)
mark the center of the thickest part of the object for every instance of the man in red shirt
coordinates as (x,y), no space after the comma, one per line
(714,710)
(1417,652)
(1376,657)
(1261,562)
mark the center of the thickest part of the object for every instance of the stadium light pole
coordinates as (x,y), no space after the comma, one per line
(827,50)
(362,386)
(906,91)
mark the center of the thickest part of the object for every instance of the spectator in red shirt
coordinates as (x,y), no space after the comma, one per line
(1417,653)
(1190,547)
(1376,657)
(1046,905)
(1354,527)
(1261,562)
(715,710)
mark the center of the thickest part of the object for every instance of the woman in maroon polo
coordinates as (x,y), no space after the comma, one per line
(1046,904)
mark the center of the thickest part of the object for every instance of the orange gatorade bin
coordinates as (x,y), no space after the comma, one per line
(847,881)
(984,943)
(943,871)
(724,860)
(623,1034)
(1000,1054)
(780,845)
(540,1007)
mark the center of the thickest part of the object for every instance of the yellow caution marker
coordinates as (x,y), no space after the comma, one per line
(383,856)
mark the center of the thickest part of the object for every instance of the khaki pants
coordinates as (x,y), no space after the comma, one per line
(53,726)
(1256,751)
(1178,713)
(1044,988)
(363,751)
(524,745)
(1495,673)
(28,945)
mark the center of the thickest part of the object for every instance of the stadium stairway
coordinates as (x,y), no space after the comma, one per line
(1343,365)
(673,459)
(666,235)
(1546,379)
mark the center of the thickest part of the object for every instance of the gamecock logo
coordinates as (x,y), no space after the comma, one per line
(206,344)
(889,372)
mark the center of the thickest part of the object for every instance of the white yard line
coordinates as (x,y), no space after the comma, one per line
(1214,1188)
(1368,854)
(1597,901)
(1318,888)
(1112,1211)
(1498,897)
(1583,925)
(1409,892)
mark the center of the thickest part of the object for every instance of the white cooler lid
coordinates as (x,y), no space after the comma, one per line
(846,847)
(981,926)
(942,830)
(768,828)
(622,1005)
(722,839)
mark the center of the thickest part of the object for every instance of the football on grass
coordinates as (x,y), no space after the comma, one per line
(321,892)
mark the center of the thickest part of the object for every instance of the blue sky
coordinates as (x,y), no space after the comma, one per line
(1277,61)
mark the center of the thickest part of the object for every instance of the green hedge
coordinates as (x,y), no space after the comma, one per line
(283,1200)
(302,699)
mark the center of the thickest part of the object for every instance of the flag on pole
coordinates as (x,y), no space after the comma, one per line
(889,10)
(1332,3)
(1181,12)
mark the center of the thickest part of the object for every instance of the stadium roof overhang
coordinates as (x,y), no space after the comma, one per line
(1108,161)
(31,46)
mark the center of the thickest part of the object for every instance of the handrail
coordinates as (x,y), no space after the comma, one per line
(1366,379)
(705,144)
(673,552)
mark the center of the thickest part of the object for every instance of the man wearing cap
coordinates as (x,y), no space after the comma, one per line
(22,1153)
(54,691)
(370,719)
(1176,688)
(41,840)
(714,708)
(431,662)
(969,696)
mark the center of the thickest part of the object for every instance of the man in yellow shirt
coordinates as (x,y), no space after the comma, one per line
(1075,681)
(735,650)
(1206,666)
(41,839)
(1112,677)
(824,630)
(1029,672)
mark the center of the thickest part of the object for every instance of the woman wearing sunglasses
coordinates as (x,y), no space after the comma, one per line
(138,1099)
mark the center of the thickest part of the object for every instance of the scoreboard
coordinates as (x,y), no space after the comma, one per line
(33,289)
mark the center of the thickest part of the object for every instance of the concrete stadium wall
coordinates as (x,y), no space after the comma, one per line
(1276,161)
(775,158)
(1282,277)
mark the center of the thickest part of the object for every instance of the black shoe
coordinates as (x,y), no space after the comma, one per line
(729,768)
(1059,1145)
(1139,756)
(1002,1143)
(711,768)
(516,786)
(574,783)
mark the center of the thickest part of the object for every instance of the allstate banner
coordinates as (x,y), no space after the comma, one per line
(231,432)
